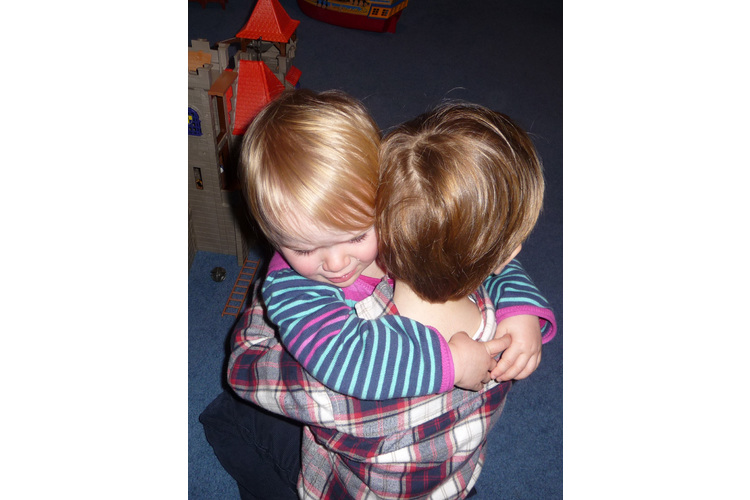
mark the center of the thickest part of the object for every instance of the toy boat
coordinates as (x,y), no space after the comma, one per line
(372,15)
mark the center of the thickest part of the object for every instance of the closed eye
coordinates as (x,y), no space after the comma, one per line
(359,238)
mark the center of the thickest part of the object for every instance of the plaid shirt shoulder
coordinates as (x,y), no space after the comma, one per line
(379,303)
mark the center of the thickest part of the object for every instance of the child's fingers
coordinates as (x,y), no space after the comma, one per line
(496,346)
(513,372)
(506,364)
(521,368)
(530,367)
(493,364)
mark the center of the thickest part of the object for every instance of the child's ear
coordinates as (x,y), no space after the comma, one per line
(512,256)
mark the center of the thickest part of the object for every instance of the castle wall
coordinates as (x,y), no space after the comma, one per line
(192,248)
(212,216)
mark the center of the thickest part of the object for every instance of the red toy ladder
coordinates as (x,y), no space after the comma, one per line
(241,286)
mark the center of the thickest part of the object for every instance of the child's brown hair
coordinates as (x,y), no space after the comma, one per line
(460,189)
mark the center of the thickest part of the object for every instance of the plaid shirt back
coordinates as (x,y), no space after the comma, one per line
(422,447)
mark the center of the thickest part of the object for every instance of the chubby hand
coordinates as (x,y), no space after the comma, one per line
(525,351)
(473,361)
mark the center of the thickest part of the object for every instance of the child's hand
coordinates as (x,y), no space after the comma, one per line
(474,360)
(525,351)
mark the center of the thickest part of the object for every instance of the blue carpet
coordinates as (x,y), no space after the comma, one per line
(207,336)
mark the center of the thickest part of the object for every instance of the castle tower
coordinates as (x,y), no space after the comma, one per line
(216,217)
(270,35)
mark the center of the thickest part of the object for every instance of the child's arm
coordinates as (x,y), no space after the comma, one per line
(261,371)
(525,316)
(384,358)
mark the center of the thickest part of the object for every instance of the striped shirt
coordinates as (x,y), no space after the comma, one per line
(420,447)
(383,357)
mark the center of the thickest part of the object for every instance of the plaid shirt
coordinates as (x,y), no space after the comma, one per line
(420,447)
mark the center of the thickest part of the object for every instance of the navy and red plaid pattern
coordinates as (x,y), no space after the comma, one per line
(420,447)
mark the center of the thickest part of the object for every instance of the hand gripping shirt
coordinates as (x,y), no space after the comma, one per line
(420,447)
(382,357)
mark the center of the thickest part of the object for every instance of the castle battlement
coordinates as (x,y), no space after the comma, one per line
(211,61)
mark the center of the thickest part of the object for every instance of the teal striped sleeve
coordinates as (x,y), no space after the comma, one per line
(384,358)
(514,293)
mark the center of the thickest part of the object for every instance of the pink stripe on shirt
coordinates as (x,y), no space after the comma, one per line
(544,315)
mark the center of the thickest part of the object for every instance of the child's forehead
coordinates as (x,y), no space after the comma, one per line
(303,232)
(317,237)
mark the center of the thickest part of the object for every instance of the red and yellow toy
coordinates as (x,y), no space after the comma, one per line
(372,15)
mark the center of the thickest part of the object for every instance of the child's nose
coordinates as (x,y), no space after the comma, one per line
(335,260)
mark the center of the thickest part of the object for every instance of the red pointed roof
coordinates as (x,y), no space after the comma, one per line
(292,76)
(270,22)
(256,87)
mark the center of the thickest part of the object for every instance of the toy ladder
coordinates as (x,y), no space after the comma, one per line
(241,287)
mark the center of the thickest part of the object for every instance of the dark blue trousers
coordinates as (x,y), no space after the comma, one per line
(259,449)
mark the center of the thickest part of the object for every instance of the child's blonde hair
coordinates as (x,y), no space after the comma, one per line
(313,155)
(460,188)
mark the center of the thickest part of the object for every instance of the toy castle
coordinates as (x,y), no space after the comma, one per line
(222,101)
